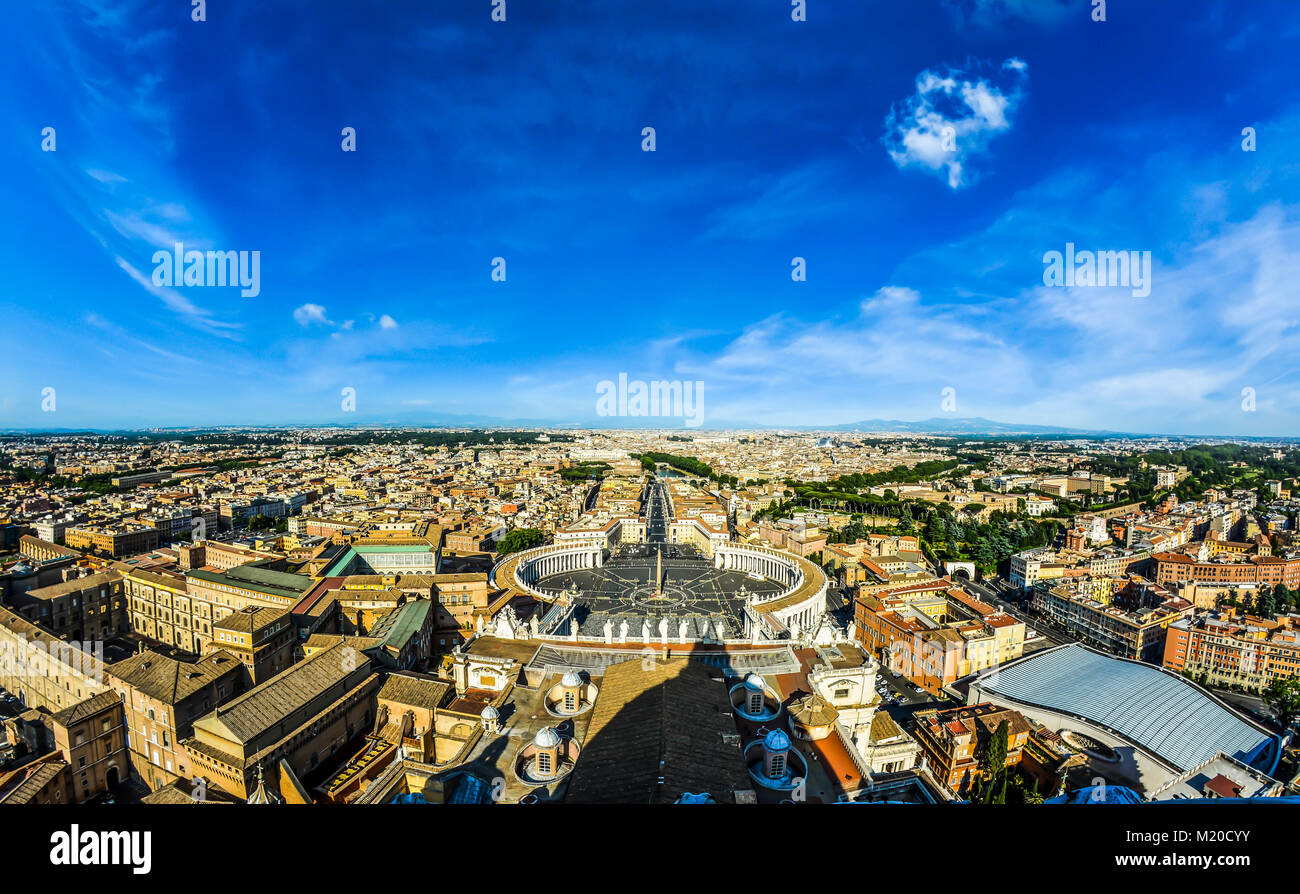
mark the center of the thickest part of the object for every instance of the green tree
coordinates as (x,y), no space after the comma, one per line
(519,539)
(1286,597)
(993,766)
(260,523)
(1283,696)
(1266,602)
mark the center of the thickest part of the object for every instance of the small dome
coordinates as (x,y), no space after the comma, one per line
(489,713)
(813,710)
(755,682)
(546,738)
(776,740)
(571,679)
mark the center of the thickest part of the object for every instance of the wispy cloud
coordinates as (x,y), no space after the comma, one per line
(181,305)
(994,13)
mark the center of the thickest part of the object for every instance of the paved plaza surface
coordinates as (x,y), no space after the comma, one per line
(692,590)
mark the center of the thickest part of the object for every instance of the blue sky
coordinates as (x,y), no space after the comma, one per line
(774,140)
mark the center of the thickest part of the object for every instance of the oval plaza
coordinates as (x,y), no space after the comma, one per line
(676,579)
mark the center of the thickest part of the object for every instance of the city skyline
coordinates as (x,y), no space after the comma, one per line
(775,140)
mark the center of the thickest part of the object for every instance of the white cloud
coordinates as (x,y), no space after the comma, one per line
(951,118)
(387,322)
(309,314)
(890,299)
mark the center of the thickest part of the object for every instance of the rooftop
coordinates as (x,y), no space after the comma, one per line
(283,584)
(167,680)
(270,703)
(1160,711)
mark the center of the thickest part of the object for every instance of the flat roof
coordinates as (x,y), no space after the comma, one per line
(261,580)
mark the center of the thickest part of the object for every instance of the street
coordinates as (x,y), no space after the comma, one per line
(1050,636)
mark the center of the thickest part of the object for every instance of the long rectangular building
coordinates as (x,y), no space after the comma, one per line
(1231,652)
(304,715)
(43,670)
(1228,568)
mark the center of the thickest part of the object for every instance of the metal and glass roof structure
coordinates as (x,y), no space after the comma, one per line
(1178,722)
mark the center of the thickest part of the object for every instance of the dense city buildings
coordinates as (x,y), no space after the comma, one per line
(320,616)
(1224,649)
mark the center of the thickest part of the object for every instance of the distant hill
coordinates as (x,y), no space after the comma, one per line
(937,425)
(941,425)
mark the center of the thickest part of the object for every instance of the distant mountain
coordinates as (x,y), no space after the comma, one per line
(419,418)
(942,425)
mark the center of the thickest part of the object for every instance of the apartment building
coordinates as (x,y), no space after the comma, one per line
(261,638)
(470,540)
(161,697)
(237,514)
(91,738)
(954,741)
(1112,562)
(1222,650)
(52,529)
(1129,619)
(82,608)
(1228,568)
(1033,565)
(113,540)
(934,634)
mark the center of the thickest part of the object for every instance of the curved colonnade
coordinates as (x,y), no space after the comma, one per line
(799,604)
